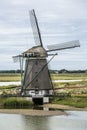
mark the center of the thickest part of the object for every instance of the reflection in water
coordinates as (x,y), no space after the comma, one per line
(37,123)
(77,120)
(11,122)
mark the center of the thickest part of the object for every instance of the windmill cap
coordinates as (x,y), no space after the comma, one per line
(39,50)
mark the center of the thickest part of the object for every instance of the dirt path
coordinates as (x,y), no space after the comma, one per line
(32,112)
(63,107)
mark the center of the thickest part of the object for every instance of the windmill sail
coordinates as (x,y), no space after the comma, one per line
(66,45)
(35,28)
(17,58)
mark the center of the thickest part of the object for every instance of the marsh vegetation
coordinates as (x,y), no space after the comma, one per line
(15,102)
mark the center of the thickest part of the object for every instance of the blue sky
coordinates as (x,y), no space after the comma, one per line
(59,21)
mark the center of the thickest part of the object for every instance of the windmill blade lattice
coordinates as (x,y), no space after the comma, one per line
(16,58)
(66,45)
(35,28)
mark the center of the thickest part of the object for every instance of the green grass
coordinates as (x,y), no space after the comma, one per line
(79,102)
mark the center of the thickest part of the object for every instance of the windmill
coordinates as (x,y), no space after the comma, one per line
(36,81)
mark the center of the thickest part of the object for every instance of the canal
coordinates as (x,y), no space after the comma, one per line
(75,120)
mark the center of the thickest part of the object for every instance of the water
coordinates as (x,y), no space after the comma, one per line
(76,120)
(19,83)
(66,81)
(9,83)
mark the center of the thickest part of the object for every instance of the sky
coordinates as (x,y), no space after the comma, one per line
(59,21)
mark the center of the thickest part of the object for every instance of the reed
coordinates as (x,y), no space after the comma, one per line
(16,103)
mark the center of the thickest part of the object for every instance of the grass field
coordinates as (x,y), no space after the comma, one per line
(69,76)
(69,86)
(79,102)
(9,77)
(76,90)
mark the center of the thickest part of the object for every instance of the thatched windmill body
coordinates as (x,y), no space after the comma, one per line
(36,80)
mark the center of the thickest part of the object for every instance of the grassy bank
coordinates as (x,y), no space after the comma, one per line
(79,102)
